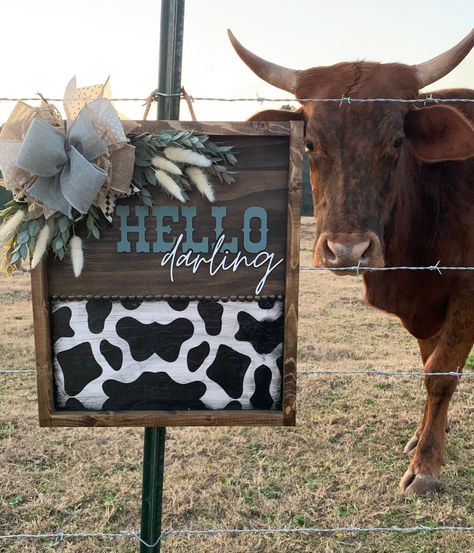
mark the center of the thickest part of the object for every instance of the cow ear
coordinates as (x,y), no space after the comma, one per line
(278,115)
(440,133)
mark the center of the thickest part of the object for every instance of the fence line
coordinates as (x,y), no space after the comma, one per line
(326,372)
(359,268)
(210,532)
(428,99)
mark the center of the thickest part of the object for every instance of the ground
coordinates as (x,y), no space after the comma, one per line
(339,467)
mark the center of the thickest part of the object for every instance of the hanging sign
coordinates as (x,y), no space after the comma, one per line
(185,312)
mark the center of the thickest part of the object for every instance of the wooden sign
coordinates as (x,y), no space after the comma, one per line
(185,314)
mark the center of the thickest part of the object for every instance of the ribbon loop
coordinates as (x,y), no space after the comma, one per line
(42,152)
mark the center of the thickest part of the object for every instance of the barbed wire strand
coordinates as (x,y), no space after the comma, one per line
(60,535)
(428,99)
(359,268)
(366,372)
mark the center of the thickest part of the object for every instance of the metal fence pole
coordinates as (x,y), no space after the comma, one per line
(171,54)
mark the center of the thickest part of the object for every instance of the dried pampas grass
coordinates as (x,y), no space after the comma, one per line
(77,255)
(181,155)
(169,185)
(199,179)
(166,165)
(9,227)
(41,245)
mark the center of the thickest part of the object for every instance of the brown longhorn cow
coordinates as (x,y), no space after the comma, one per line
(393,185)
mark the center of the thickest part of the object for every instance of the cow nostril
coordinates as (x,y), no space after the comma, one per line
(368,250)
(329,254)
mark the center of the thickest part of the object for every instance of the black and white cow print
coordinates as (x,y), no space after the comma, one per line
(175,354)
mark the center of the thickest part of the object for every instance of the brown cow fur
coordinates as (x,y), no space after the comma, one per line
(421,212)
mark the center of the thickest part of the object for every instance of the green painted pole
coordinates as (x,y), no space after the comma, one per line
(171,55)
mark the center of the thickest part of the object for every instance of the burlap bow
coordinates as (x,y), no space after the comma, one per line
(57,170)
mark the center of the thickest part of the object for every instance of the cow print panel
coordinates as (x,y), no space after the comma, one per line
(263,335)
(197,356)
(223,364)
(112,353)
(79,367)
(178,304)
(162,393)
(261,398)
(146,339)
(211,313)
(131,303)
(228,370)
(97,313)
(60,324)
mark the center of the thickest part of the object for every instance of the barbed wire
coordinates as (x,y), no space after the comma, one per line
(365,372)
(131,534)
(383,372)
(428,99)
(359,268)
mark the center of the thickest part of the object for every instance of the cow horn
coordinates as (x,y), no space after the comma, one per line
(278,76)
(434,69)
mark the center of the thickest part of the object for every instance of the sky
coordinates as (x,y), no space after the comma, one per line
(45,43)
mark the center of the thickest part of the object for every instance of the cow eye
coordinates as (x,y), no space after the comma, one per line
(309,146)
(398,142)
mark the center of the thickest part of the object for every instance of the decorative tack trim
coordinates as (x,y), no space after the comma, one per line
(166,297)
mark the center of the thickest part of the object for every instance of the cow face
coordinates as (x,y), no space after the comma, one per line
(354,151)
(359,153)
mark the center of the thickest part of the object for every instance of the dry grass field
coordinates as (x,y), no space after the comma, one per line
(339,467)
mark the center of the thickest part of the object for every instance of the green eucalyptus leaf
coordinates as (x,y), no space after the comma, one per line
(15,258)
(150,176)
(34,227)
(63,223)
(58,244)
(95,232)
(22,237)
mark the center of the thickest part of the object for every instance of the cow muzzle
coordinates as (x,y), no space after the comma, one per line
(336,250)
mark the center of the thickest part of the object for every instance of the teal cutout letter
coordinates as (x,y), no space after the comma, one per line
(219,213)
(203,246)
(255,213)
(142,246)
(160,213)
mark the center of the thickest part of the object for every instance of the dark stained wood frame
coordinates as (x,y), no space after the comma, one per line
(48,416)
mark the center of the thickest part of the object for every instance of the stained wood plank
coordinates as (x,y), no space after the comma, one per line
(44,371)
(216,128)
(168,418)
(292,274)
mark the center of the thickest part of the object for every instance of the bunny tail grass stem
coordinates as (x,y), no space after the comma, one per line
(169,185)
(41,245)
(181,155)
(199,179)
(77,255)
(9,227)
(166,165)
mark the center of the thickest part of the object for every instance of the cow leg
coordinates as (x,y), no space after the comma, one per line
(454,344)
(427,347)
